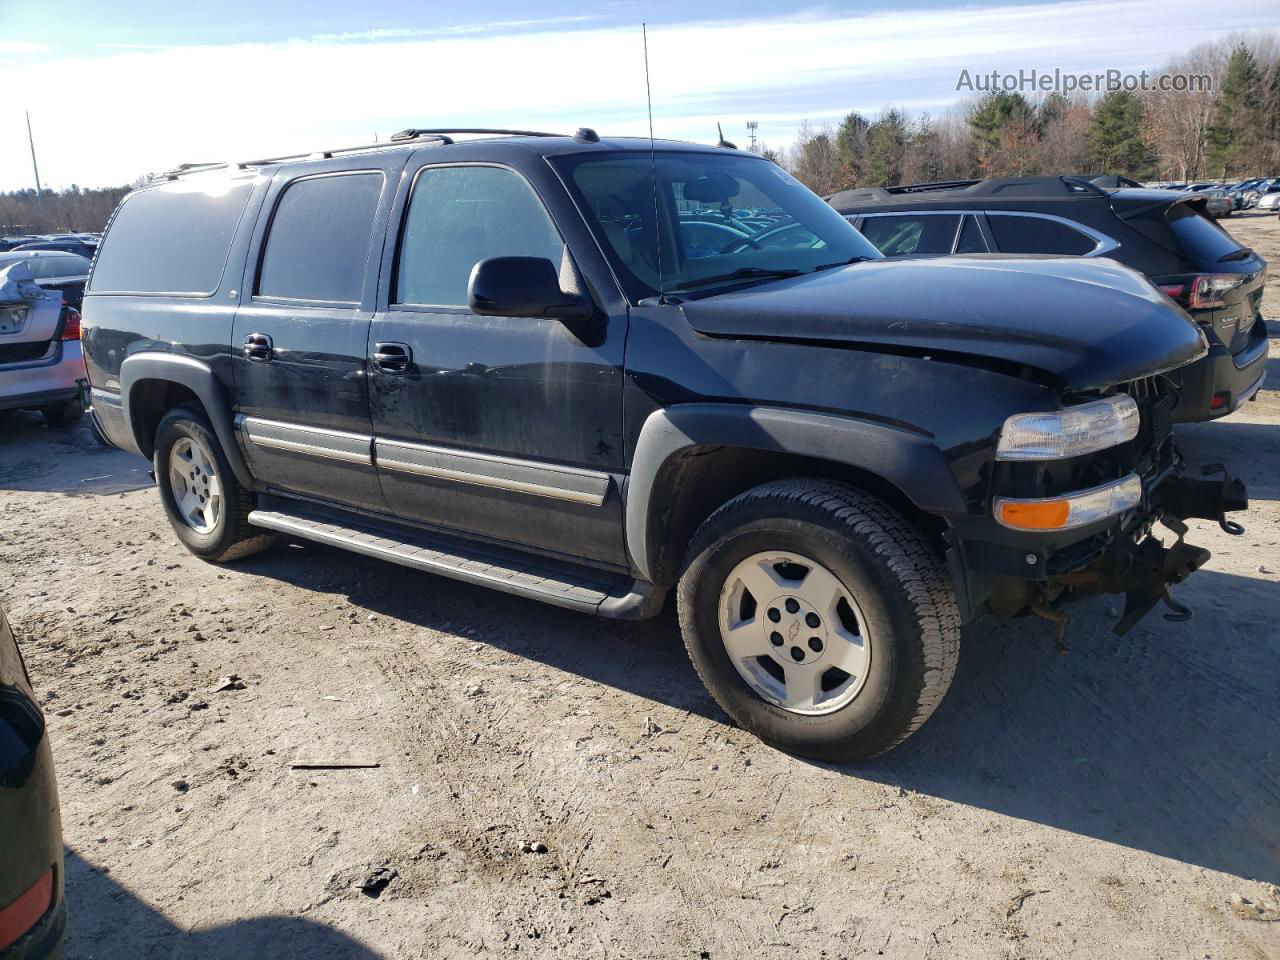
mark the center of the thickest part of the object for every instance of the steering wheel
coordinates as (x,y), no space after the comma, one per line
(737,242)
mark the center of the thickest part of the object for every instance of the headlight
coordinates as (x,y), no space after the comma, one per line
(1071,432)
(1071,510)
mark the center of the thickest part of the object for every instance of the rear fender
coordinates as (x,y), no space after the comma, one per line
(197,377)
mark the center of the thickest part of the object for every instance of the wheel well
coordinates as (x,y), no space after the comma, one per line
(704,478)
(149,401)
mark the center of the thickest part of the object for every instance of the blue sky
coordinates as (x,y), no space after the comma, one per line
(119,88)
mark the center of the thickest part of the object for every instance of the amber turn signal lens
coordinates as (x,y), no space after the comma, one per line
(1040,515)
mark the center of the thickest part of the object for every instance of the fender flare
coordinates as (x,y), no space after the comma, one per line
(908,460)
(198,377)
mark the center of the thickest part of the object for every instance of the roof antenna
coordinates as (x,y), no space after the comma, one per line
(653,165)
(722,142)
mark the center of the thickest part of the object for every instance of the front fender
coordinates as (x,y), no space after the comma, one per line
(908,460)
(197,377)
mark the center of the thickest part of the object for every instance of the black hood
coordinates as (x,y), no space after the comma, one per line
(1087,322)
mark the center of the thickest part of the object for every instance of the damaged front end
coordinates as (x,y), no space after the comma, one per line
(1145,569)
(1030,567)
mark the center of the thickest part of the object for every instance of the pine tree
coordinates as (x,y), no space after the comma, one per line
(886,146)
(851,149)
(1232,136)
(993,116)
(1115,136)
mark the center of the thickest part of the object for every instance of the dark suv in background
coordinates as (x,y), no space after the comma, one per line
(523,362)
(1164,234)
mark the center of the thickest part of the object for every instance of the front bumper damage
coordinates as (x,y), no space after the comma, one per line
(1133,561)
(1145,569)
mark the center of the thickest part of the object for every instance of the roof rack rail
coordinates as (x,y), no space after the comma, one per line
(1063,186)
(933,185)
(440,137)
(413,132)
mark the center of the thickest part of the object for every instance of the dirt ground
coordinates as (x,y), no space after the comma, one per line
(548,784)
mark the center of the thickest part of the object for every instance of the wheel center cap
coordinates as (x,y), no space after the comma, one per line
(797,633)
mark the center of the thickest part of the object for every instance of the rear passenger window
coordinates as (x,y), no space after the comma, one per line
(1019,234)
(318,242)
(173,238)
(899,236)
(971,239)
(459,216)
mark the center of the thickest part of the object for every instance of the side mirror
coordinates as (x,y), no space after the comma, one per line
(522,287)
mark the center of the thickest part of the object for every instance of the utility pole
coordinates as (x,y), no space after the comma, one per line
(36,169)
(751,128)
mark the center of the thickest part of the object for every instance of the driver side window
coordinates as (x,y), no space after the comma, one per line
(460,215)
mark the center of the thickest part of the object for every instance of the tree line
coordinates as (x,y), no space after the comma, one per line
(73,210)
(1228,130)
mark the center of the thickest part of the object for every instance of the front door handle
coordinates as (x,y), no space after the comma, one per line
(392,357)
(258,346)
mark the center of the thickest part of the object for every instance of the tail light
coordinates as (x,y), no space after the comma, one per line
(71,324)
(20,915)
(1204,292)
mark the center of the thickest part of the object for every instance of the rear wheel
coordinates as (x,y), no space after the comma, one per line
(819,619)
(207,506)
(64,414)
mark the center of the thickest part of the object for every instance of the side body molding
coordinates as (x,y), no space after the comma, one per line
(910,461)
(197,377)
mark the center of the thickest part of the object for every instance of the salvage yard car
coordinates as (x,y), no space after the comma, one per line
(1165,235)
(499,360)
(41,364)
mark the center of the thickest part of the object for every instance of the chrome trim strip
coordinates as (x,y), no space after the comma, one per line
(500,473)
(312,441)
(500,483)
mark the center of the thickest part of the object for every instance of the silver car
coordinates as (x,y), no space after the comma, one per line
(41,364)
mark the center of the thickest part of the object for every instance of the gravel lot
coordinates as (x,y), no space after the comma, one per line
(554,785)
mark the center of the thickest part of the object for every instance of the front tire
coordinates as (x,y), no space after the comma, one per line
(206,505)
(819,619)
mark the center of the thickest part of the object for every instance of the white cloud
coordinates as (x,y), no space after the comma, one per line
(108,118)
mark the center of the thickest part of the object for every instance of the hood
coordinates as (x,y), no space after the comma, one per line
(1087,322)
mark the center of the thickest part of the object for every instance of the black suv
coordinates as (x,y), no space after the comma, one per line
(520,361)
(1164,234)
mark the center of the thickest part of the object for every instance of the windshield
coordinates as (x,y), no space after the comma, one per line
(723,219)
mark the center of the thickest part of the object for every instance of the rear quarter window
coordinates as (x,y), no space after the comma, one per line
(173,238)
(1031,234)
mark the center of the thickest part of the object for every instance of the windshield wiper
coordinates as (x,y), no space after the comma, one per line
(839,263)
(742,273)
(1240,254)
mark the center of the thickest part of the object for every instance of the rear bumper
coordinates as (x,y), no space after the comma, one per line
(40,382)
(1219,374)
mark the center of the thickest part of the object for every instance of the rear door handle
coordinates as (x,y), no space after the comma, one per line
(392,357)
(258,346)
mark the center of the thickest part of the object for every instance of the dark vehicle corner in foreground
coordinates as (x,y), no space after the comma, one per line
(33,913)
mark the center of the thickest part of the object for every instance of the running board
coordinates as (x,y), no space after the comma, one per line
(613,597)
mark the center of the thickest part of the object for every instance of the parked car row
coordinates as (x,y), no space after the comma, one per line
(1263,192)
(1164,235)
(598,373)
(81,244)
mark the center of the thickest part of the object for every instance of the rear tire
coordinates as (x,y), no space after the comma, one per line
(207,506)
(859,642)
(64,414)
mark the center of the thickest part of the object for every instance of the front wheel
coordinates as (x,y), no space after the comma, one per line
(207,506)
(819,619)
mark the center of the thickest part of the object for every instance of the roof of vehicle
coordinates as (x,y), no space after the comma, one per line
(995,192)
(547,144)
(31,254)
